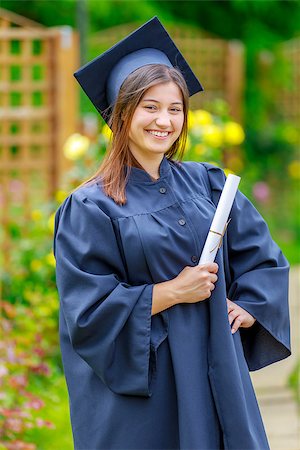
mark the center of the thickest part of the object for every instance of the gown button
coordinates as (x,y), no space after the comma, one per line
(162,190)
(181,222)
(194,258)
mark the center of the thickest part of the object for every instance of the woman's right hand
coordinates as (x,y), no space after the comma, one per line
(192,285)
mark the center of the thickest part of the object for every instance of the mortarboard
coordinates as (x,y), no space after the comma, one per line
(102,77)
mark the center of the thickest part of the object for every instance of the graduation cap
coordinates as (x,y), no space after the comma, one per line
(102,77)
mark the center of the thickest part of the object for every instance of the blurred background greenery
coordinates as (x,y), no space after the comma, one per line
(262,147)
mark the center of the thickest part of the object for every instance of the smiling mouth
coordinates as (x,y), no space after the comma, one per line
(160,134)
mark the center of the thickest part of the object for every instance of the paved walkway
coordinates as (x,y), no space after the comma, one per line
(280,412)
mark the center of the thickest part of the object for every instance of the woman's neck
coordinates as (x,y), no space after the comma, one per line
(151,166)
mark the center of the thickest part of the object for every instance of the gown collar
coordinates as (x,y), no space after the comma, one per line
(141,176)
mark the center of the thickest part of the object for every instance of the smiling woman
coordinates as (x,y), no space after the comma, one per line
(155,125)
(147,341)
(149,121)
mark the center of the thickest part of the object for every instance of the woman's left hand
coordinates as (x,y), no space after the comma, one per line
(238,317)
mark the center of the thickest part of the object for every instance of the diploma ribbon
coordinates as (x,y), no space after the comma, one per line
(219,244)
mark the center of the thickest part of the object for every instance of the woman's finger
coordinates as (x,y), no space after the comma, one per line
(236,325)
(233,315)
(213,278)
(230,307)
(230,304)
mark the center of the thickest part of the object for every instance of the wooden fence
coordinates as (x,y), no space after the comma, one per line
(279,80)
(218,64)
(289,94)
(38,97)
(38,110)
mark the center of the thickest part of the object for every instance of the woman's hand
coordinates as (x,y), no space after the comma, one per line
(193,284)
(238,317)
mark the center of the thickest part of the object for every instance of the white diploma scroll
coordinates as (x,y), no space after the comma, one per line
(220,221)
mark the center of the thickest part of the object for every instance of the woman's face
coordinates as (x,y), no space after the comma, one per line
(157,122)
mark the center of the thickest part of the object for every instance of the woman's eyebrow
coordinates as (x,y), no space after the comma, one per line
(156,101)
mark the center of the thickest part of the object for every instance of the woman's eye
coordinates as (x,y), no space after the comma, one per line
(154,108)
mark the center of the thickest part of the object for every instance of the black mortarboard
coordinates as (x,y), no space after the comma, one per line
(102,77)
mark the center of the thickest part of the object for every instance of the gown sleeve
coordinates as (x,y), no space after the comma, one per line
(257,278)
(108,321)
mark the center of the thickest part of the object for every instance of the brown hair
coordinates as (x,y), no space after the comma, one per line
(112,170)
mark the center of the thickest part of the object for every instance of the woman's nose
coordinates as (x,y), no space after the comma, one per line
(163,120)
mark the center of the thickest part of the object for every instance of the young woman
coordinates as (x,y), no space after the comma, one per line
(157,349)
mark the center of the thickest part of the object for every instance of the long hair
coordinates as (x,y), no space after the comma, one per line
(115,167)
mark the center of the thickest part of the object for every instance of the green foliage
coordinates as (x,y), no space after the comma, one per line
(103,14)
(272,157)
(46,12)
(32,387)
(258,21)
(259,24)
(33,393)
(294,381)
(31,257)
(25,354)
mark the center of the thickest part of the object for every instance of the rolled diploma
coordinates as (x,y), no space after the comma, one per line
(220,219)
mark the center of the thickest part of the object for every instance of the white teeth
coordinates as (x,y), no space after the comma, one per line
(159,133)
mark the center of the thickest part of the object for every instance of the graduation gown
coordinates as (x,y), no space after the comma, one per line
(178,379)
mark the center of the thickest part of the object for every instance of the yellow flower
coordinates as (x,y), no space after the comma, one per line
(50,259)
(199,117)
(60,196)
(294,169)
(36,215)
(51,221)
(212,136)
(76,146)
(228,171)
(202,117)
(106,132)
(233,133)
(191,119)
(35,265)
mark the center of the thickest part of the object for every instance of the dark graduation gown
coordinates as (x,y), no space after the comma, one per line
(178,379)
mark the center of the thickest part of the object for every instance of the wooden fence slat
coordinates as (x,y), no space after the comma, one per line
(235,78)
(38,139)
(11,17)
(6,59)
(38,111)
(25,112)
(23,34)
(25,166)
(288,98)
(8,86)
